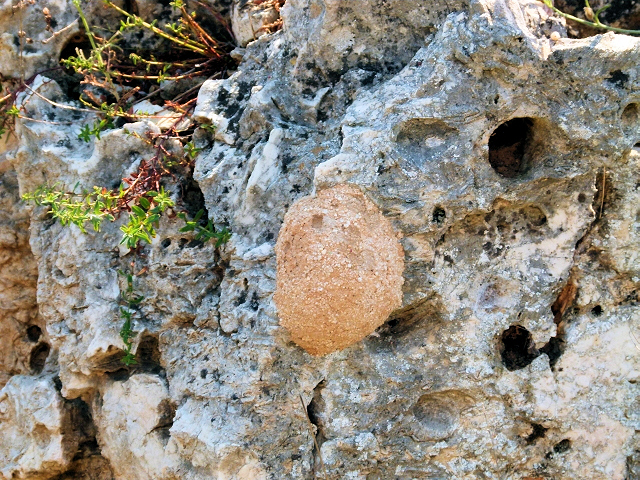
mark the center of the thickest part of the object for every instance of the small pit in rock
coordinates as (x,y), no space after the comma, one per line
(630,120)
(166,414)
(33,333)
(148,356)
(517,348)
(559,448)
(38,357)
(538,432)
(508,146)
(192,197)
(439,215)
(553,349)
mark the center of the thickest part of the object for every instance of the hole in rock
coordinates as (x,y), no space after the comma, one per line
(148,356)
(193,199)
(195,244)
(562,446)
(630,119)
(57,383)
(618,78)
(166,414)
(538,432)
(255,302)
(315,410)
(33,333)
(553,349)
(315,413)
(83,426)
(508,146)
(596,311)
(120,375)
(165,243)
(78,41)
(439,215)
(38,357)
(517,348)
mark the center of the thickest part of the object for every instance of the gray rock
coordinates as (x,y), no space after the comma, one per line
(508,163)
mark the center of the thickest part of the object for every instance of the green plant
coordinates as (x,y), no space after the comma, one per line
(144,217)
(131,300)
(593,19)
(209,128)
(76,208)
(204,232)
(101,204)
(191,150)
(116,80)
(99,126)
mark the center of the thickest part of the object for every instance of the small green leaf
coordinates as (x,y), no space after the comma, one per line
(140,213)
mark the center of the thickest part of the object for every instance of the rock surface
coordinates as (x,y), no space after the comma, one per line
(509,164)
(25,347)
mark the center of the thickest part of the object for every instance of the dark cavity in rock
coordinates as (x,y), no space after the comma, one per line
(517,348)
(38,357)
(508,145)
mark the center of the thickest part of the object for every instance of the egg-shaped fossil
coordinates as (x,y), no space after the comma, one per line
(339,272)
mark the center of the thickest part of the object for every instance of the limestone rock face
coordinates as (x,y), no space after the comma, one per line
(339,270)
(34,419)
(22,329)
(507,162)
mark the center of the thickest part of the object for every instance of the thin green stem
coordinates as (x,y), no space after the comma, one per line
(76,3)
(191,45)
(596,24)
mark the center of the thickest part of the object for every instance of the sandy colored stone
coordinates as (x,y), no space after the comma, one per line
(23,339)
(339,270)
(34,442)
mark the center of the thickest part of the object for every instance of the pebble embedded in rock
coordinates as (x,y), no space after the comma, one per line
(339,271)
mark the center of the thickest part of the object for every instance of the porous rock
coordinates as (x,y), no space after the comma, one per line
(508,162)
(34,419)
(21,328)
(339,270)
